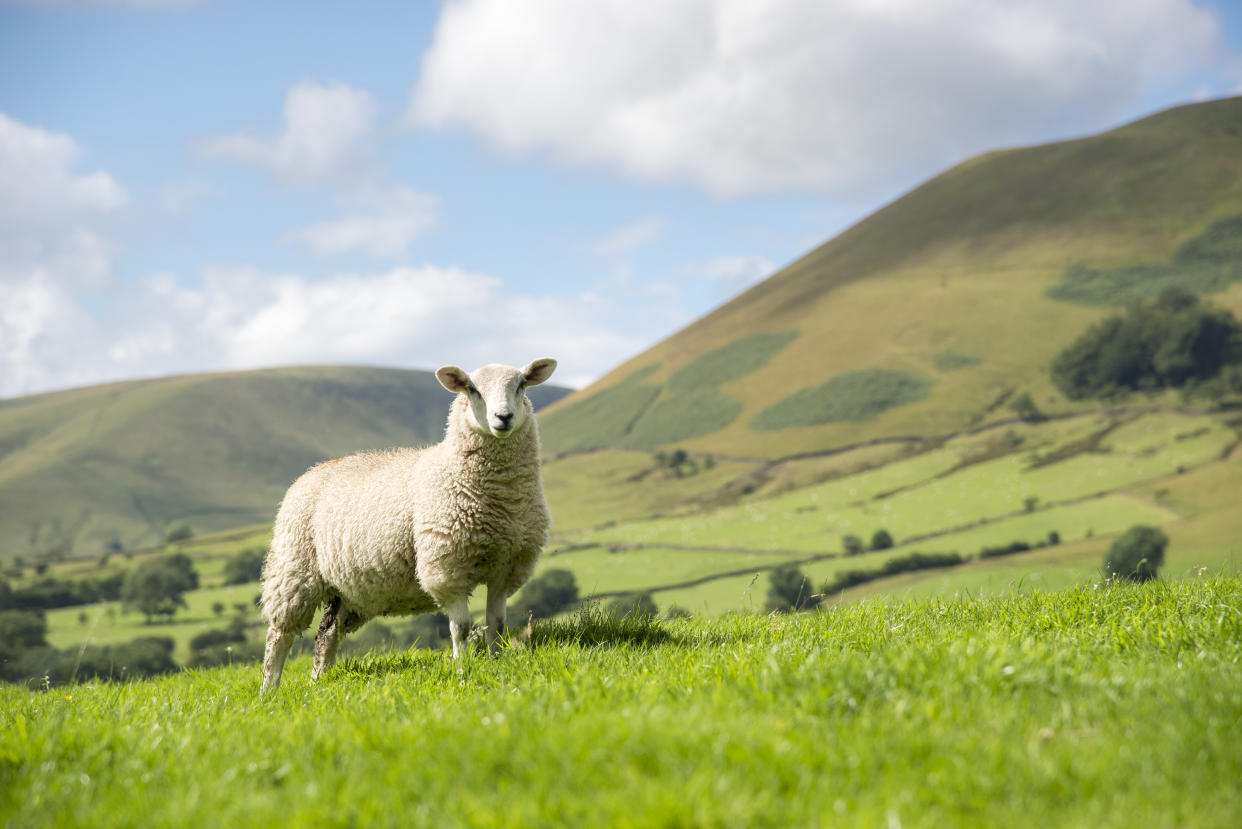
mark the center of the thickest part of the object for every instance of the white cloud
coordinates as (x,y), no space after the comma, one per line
(629,237)
(325,127)
(742,98)
(385,220)
(53,246)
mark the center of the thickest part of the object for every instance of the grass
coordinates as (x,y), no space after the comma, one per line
(1084,708)
(855,395)
(1206,263)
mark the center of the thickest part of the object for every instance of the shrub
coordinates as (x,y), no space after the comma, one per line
(1024,406)
(639,605)
(245,567)
(853,545)
(179,531)
(1169,342)
(789,590)
(546,595)
(1136,555)
(158,586)
(881,540)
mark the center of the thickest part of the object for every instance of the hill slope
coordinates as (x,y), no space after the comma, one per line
(84,468)
(926,316)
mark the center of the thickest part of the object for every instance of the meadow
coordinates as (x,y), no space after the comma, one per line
(1091,707)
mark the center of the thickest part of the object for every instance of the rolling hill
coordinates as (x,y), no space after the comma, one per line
(925,317)
(85,469)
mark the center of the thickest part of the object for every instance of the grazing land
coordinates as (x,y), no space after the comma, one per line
(1094,707)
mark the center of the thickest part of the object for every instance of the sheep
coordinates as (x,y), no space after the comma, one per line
(407,531)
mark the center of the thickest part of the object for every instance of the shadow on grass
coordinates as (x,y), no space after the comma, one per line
(592,626)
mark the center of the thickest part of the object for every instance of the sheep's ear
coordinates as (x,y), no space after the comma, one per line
(453,379)
(539,370)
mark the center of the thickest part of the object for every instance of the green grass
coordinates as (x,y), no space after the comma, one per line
(1094,708)
(1206,263)
(855,395)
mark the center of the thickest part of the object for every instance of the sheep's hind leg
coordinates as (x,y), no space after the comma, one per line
(496,600)
(336,622)
(459,624)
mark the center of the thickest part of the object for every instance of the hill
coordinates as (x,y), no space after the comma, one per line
(1083,708)
(925,317)
(86,470)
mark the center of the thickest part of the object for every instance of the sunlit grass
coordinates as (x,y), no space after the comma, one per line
(1093,707)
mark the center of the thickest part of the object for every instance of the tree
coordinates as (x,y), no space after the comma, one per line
(1173,341)
(547,595)
(180,531)
(881,540)
(1026,409)
(245,567)
(636,605)
(1136,555)
(853,545)
(788,590)
(158,586)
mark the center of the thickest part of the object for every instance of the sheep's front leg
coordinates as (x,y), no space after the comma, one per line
(496,599)
(459,624)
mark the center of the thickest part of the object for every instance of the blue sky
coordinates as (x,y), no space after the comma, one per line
(193,186)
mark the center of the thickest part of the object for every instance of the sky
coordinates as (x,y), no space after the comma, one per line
(201,186)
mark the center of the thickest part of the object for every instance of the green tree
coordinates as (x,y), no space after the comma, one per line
(1027,411)
(637,605)
(1172,341)
(881,540)
(1136,555)
(853,545)
(546,595)
(179,531)
(789,589)
(157,587)
(245,567)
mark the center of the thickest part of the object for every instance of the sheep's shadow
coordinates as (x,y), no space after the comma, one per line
(594,629)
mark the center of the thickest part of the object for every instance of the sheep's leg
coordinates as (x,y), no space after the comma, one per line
(328,638)
(496,600)
(458,612)
(336,623)
(278,644)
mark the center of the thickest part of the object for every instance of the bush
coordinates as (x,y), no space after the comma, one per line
(853,545)
(1024,406)
(1004,550)
(158,586)
(1136,555)
(789,590)
(546,595)
(881,540)
(637,605)
(1170,342)
(892,567)
(245,567)
(179,531)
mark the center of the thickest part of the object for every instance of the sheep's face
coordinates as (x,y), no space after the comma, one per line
(496,394)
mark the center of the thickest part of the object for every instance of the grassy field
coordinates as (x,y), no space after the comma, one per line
(1092,707)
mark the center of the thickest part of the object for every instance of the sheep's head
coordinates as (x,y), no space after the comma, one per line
(496,394)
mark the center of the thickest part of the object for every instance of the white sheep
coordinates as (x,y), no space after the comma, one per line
(412,530)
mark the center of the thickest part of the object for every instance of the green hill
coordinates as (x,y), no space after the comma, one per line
(924,316)
(84,469)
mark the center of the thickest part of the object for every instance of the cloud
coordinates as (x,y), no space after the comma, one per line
(418,317)
(325,128)
(741,98)
(629,237)
(384,222)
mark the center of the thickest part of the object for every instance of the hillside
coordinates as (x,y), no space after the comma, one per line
(925,317)
(115,464)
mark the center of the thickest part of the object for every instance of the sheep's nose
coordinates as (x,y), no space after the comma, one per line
(505,418)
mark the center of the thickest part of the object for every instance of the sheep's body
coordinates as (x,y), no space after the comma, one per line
(412,530)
